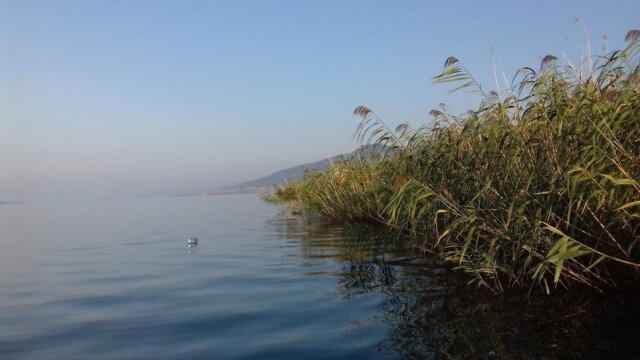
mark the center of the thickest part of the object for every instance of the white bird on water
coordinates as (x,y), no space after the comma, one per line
(192,241)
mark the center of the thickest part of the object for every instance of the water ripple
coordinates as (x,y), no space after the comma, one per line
(114,280)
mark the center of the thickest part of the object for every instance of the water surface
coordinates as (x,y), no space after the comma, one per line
(115,279)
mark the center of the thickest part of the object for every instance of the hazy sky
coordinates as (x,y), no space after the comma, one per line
(128,98)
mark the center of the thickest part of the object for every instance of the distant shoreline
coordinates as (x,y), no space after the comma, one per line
(252,190)
(11,202)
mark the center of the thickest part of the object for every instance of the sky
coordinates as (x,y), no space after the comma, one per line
(116,98)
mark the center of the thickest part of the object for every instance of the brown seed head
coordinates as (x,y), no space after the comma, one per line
(435,113)
(362,111)
(402,127)
(548,60)
(633,35)
(450,61)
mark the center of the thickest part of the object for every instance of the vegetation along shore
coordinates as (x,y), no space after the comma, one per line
(538,187)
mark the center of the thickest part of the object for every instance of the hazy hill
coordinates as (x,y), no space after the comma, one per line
(281,177)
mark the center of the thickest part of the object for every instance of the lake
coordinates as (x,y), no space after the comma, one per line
(114,279)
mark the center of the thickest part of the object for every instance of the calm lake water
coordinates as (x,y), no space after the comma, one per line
(115,280)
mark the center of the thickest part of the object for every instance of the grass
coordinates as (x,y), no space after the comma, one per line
(537,187)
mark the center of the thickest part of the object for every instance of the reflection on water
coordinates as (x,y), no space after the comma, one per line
(113,280)
(435,315)
(191,248)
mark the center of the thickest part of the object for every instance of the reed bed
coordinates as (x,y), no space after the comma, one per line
(538,187)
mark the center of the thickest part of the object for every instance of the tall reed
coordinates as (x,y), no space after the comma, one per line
(540,185)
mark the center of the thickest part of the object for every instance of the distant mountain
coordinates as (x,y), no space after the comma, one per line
(266,183)
(283,176)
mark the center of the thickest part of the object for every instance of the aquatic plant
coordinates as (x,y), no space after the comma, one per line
(540,185)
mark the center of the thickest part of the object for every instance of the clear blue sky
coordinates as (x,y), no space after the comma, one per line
(126,98)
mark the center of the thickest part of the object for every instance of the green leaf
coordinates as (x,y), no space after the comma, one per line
(560,262)
(620,182)
(465,85)
(467,243)
(596,262)
(631,204)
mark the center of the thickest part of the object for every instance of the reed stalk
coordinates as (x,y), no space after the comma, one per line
(536,188)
